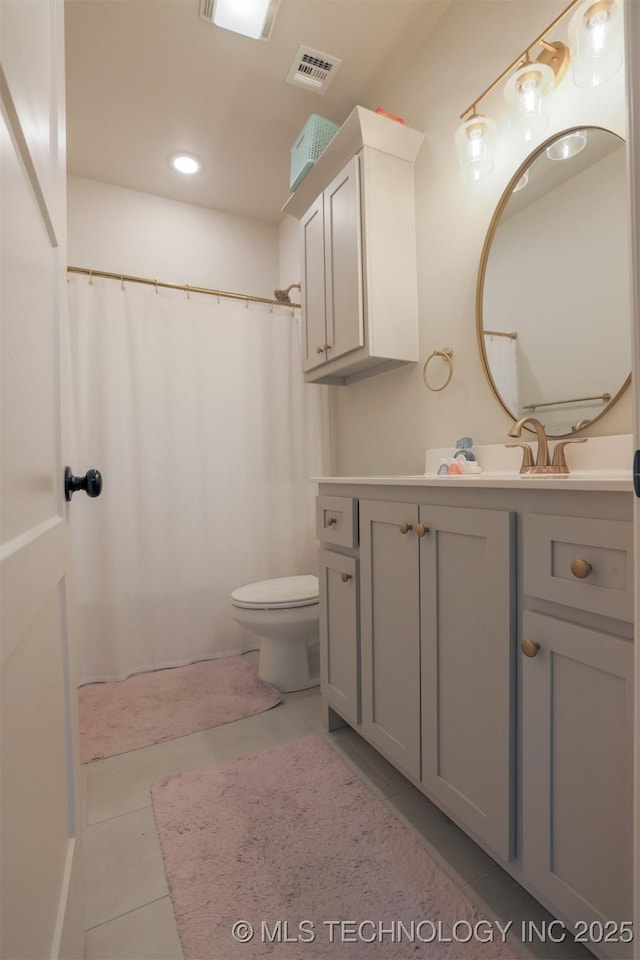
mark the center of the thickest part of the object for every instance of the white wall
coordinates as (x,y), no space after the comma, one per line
(384,424)
(124,231)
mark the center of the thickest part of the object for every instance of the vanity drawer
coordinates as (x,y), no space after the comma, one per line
(587,564)
(337,520)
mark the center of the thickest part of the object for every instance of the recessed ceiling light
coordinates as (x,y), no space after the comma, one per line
(252,18)
(185,163)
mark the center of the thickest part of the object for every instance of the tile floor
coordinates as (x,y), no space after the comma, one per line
(129,914)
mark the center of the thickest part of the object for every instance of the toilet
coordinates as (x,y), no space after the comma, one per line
(284,614)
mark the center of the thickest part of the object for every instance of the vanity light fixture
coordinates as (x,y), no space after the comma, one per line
(186,163)
(595,27)
(534,74)
(525,91)
(474,143)
(569,146)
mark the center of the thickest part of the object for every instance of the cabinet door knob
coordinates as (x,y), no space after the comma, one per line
(405,527)
(529,648)
(331,521)
(319,349)
(346,577)
(421,529)
(581,568)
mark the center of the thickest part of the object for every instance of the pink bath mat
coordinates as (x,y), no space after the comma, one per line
(288,854)
(124,715)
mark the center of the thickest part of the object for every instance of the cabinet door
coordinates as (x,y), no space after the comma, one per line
(343,262)
(577,703)
(390,632)
(467,604)
(312,295)
(339,640)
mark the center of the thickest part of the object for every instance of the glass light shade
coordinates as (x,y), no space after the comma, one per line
(526,90)
(568,146)
(474,145)
(247,17)
(597,42)
(522,182)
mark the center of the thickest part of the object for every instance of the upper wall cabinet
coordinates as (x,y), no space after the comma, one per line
(359,279)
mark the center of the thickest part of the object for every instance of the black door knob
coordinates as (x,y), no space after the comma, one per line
(91,483)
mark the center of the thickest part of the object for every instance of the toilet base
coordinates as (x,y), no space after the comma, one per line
(285,664)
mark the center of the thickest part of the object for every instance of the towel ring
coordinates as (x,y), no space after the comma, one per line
(447,354)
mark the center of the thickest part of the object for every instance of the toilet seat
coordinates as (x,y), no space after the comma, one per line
(281,593)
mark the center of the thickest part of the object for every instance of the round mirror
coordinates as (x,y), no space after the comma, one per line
(553,296)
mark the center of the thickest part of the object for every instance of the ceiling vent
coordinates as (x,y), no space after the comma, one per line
(313,69)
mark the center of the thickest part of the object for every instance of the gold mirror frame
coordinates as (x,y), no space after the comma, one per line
(482,268)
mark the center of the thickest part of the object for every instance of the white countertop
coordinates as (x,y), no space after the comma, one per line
(592,480)
(603,463)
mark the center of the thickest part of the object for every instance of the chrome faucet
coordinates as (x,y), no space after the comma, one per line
(542,464)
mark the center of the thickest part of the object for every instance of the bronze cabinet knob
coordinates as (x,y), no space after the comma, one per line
(581,568)
(331,521)
(346,577)
(405,527)
(529,648)
(421,529)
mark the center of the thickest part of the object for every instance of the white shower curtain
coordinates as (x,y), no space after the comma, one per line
(502,357)
(197,416)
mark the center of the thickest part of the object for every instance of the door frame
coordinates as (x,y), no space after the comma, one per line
(632,68)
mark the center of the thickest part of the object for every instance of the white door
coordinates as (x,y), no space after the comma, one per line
(632,60)
(313,286)
(40,878)
(343,261)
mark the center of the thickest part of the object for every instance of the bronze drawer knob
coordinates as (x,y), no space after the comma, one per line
(581,568)
(405,527)
(331,521)
(346,577)
(529,648)
(421,529)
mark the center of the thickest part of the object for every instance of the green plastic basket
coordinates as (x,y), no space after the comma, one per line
(314,137)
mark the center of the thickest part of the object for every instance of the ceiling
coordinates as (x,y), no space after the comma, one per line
(148,78)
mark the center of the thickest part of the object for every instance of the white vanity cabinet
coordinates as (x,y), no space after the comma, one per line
(577,732)
(358,273)
(332,292)
(437,656)
(490,654)
(467,615)
(390,625)
(337,529)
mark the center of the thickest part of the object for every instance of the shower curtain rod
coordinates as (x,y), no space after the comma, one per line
(500,333)
(125,277)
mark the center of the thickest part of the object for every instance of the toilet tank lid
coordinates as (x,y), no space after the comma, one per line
(283,591)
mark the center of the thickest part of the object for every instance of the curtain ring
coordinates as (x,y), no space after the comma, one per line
(156,288)
(246,306)
(90,278)
(121,282)
(273,303)
(447,354)
(186,286)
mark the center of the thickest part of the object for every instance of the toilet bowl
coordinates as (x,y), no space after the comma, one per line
(284,614)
